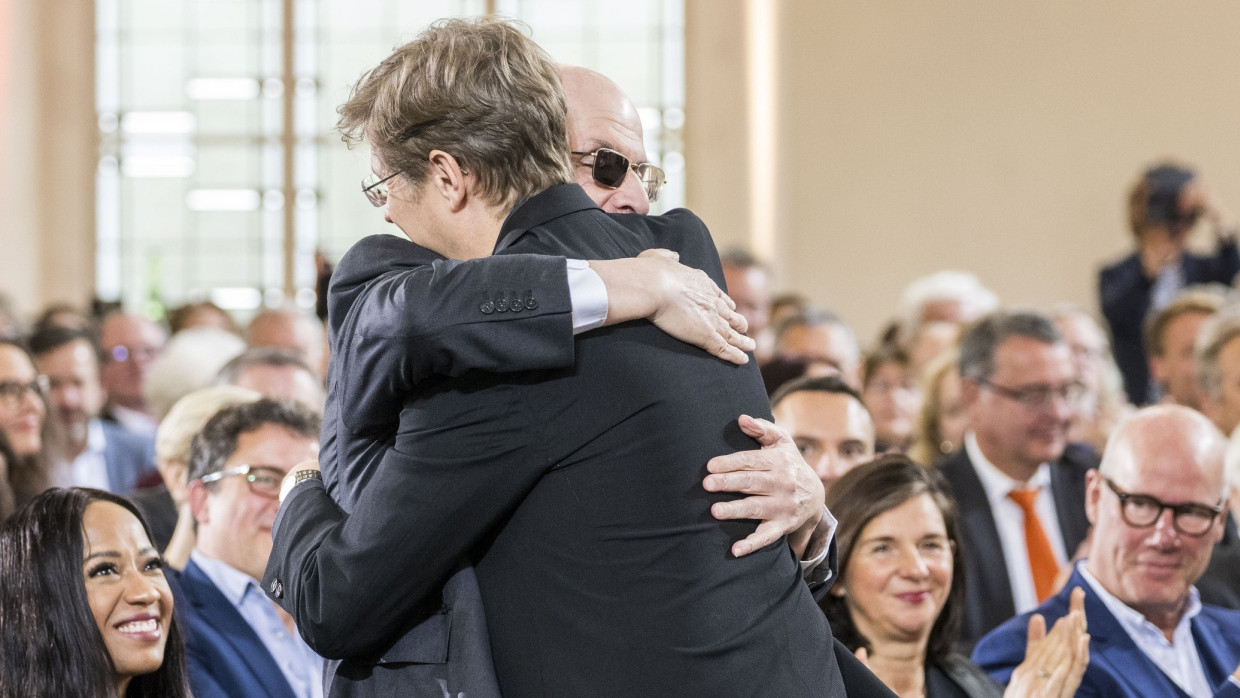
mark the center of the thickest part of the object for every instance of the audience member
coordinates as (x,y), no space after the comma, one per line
(929,341)
(1217,361)
(85,606)
(238,642)
(191,361)
(785,305)
(63,315)
(1164,207)
(901,590)
(292,329)
(1103,402)
(130,344)
(277,373)
(1156,508)
(166,506)
(956,297)
(23,422)
(942,420)
(892,394)
(1170,337)
(201,314)
(821,336)
(1220,584)
(92,452)
(1020,488)
(828,422)
(10,324)
(749,285)
(8,460)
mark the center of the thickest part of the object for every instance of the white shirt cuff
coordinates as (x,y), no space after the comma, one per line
(810,565)
(588,295)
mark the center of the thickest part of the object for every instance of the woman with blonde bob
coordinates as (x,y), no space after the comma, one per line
(900,591)
(84,605)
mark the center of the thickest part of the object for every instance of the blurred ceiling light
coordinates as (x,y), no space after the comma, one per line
(144,122)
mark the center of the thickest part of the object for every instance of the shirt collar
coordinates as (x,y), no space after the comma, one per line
(96,441)
(232,583)
(996,482)
(1135,624)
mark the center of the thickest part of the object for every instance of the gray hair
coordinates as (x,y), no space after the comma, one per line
(1216,333)
(978,345)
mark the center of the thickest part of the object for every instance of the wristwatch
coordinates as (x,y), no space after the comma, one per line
(296,477)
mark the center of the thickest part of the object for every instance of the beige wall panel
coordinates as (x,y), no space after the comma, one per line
(994,137)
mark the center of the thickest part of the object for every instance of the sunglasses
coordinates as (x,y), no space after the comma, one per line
(609,168)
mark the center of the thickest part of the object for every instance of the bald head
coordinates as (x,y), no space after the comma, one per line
(1154,504)
(600,115)
(1166,442)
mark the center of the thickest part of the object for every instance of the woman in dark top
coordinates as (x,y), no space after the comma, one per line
(901,586)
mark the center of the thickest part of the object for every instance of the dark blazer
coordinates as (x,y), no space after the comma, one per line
(1124,292)
(1220,584)
(1117,667)
(578,491)
(988,589)
(226,657)
(129,457)
(954,676)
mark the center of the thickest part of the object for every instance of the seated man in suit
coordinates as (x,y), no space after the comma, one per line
(92,452)
(828,422)
(542,604)
(1019,484)
(1156,504)
(237,642)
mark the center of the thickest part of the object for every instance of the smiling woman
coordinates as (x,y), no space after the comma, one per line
(85,606)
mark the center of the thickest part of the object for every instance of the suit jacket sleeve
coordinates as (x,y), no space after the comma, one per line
(355,583)
(402,313)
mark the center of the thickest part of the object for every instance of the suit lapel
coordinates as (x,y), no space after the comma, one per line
(558,201)
(987,563)
(1068,490)
(1218,657)
(218,612)
(1111,647)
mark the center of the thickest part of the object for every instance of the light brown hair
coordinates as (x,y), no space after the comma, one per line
(477,89)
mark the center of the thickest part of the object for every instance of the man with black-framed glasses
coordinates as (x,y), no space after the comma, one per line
(1156,504)
(239,643)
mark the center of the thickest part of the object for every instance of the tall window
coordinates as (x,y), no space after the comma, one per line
(219,176)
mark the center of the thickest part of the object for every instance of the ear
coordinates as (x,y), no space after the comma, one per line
(198,502)
(1093,493)
(1158,371)
(173,473)
(448,179)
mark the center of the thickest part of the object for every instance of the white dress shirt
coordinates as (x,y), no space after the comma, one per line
(1010,521)
(90,469)
(1177,659)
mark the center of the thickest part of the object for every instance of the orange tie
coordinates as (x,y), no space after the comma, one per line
(1041,557)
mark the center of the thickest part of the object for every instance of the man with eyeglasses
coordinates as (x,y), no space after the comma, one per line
(482,188)
(130,344)
(1020,485)
(1156,504)
(239,643)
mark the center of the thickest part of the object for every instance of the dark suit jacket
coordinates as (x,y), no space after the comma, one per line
(987,586)
(1220,584)
(128,456)
(1117,667)
(160,513)
(1124,292)
(226,657)
(579,493)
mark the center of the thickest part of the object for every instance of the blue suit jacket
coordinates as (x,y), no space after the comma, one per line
(226,657)
(1117,666)
(128,457)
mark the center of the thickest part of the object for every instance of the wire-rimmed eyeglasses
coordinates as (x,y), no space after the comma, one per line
(609,168)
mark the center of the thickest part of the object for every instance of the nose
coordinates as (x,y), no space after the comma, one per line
(829,469)
(1164,533)
(912,565)
(629,198)
(141,589)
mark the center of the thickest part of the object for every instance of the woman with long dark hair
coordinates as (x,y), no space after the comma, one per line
(84,604)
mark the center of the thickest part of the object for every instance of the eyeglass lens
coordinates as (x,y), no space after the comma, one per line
(14,391)
(1142,511)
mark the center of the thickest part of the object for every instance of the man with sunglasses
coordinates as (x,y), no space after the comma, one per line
(1164,207)
(238,642)
(1156,504)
